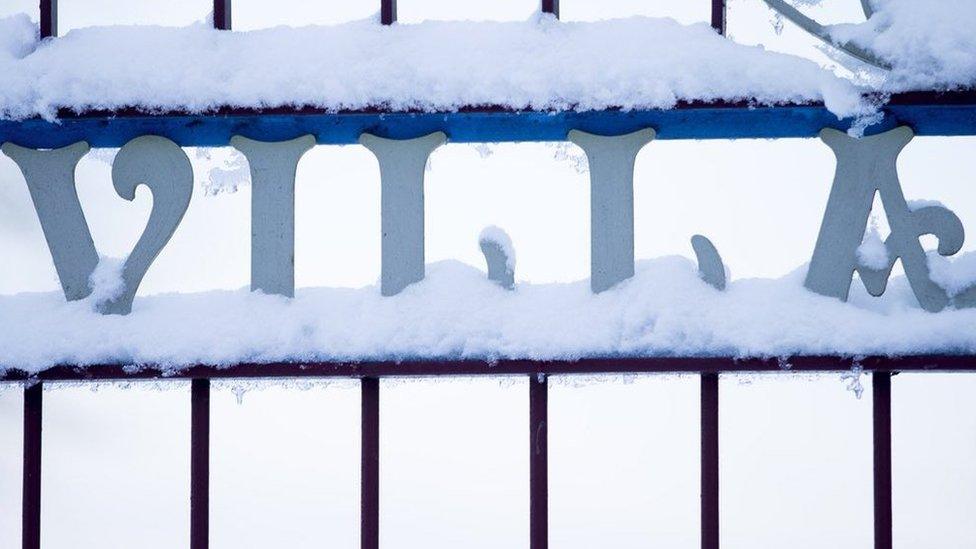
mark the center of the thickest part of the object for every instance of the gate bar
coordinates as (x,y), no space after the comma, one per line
(538,462)
(370,465)
(31,527)
(881,393)
(709,462)
(551,6)
(718,16)
(200,464)
(388,12)
(49,18)
(222,14)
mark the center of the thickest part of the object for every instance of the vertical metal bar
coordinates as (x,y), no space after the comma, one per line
(718,16)
(551,6)
(31,528)
(388,12)
(370,472)
(538,462)
(200,464)
(709,461)
(222,14)
(49,18)
(881,391)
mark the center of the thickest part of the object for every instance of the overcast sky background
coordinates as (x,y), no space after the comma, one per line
(796,454)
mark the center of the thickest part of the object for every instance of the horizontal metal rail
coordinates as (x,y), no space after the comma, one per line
(928,113)
(881,369)
(423,368)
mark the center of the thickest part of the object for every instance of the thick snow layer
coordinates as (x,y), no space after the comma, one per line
(456,312)
(954,274)
(542,63)
(930,44)
(18,37)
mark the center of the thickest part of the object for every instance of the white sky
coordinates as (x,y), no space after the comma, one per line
(796,452)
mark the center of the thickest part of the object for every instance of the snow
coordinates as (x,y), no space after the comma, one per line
(918,204)
(106,280)
(930,44)
(497,235)
(872,252)
(18,37)
(541,63)
(456,312)
(956,274)
(853,380)
(220,169)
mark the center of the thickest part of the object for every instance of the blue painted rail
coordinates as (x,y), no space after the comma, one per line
(927,113)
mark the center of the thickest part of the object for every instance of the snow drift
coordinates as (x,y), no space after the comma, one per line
(542,64)
(457,313)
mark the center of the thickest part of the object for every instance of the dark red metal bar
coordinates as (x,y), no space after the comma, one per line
(388,12)
(881,391)
(433,367)
(709,461)
(718,16)
(551,6)
(222,14)
(370,469)
(200,464)
(31,528)
(962,97)
(49,18)
(538,462)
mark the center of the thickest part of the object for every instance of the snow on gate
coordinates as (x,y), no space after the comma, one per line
(688,82)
